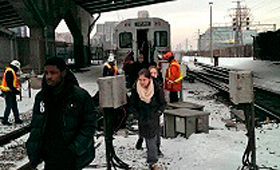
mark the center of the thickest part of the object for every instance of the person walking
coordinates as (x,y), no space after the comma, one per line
(173,77)
(154,73)
(63,122)
(148,101)
(10,87)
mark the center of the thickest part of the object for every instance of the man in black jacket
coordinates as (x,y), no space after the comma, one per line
(63,123)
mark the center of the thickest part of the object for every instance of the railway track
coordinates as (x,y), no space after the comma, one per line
(266,101)
(13,144)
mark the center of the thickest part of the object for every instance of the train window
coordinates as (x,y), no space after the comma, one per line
(125,40)
(160,38)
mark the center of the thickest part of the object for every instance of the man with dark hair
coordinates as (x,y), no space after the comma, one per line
(63,122)
(139,65)
(10,87)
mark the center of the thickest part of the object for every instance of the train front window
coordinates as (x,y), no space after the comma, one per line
(160,38)
(125,40)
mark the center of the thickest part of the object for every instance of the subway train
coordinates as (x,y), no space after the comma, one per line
(147,36)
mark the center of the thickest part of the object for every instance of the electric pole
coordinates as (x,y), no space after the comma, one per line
(211,33)
(199,43)
(240,20)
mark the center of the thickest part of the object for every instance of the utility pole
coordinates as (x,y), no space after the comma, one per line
(240,20)
(199,43)
(187,44)
(211,33)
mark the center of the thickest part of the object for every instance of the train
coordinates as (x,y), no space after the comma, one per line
(266,46)
(145,36)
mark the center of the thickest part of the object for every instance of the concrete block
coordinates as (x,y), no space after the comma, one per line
(185,121)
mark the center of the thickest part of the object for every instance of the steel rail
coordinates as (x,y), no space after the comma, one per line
(204,78)
(4,139)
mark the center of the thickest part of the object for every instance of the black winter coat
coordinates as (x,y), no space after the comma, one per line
(148,113)
(75,121)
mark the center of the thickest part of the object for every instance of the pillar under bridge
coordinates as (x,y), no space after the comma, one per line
(42,17)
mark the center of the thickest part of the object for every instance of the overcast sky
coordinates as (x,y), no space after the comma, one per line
(187,17)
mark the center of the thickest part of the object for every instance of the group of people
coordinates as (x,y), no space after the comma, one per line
(148,98)
(131,68)
(64,115)
(148,101)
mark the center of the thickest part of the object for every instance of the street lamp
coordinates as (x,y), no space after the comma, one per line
(211,33)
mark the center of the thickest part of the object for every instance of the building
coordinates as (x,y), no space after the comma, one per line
(104,36)
(223,37)
(21,31)
(64,37)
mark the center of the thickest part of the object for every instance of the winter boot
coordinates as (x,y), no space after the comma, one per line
(160,154)
(154,167)
(19,121)
(139,143)
(6,123)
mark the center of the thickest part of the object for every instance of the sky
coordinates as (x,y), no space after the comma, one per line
(220,149)
(189,17)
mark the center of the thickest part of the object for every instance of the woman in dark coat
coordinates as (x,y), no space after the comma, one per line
(148,102)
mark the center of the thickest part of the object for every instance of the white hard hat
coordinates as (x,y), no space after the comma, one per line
(111,58)
(15,63)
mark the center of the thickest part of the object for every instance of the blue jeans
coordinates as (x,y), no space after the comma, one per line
(11,104)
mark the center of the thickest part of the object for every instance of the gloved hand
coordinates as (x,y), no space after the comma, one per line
(17,92)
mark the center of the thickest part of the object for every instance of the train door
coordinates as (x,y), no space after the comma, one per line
(142,44)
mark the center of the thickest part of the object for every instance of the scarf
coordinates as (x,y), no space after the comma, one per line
(145,94)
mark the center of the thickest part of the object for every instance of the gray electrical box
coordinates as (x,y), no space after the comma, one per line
(112,91)
(241,87)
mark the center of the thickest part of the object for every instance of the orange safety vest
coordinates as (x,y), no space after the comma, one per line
(115,68)
(175,63)
(176,77)
(4,86)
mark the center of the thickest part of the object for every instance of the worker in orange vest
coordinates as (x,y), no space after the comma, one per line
(10,87)
(173,77)
(110,67)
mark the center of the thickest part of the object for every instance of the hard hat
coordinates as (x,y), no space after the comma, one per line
(111,58)
(167,55)
(15,63)
(160,56)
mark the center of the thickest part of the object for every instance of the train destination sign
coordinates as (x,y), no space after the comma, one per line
(142,24)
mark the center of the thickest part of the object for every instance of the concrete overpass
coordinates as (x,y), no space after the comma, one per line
(43,16)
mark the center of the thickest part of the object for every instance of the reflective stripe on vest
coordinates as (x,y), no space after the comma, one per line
(115,68)
(4,86)
(181,75)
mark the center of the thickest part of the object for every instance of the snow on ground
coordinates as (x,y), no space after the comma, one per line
(221,149)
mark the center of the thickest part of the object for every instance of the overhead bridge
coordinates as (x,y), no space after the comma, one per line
(112,5)
(43,16)
(8,16)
